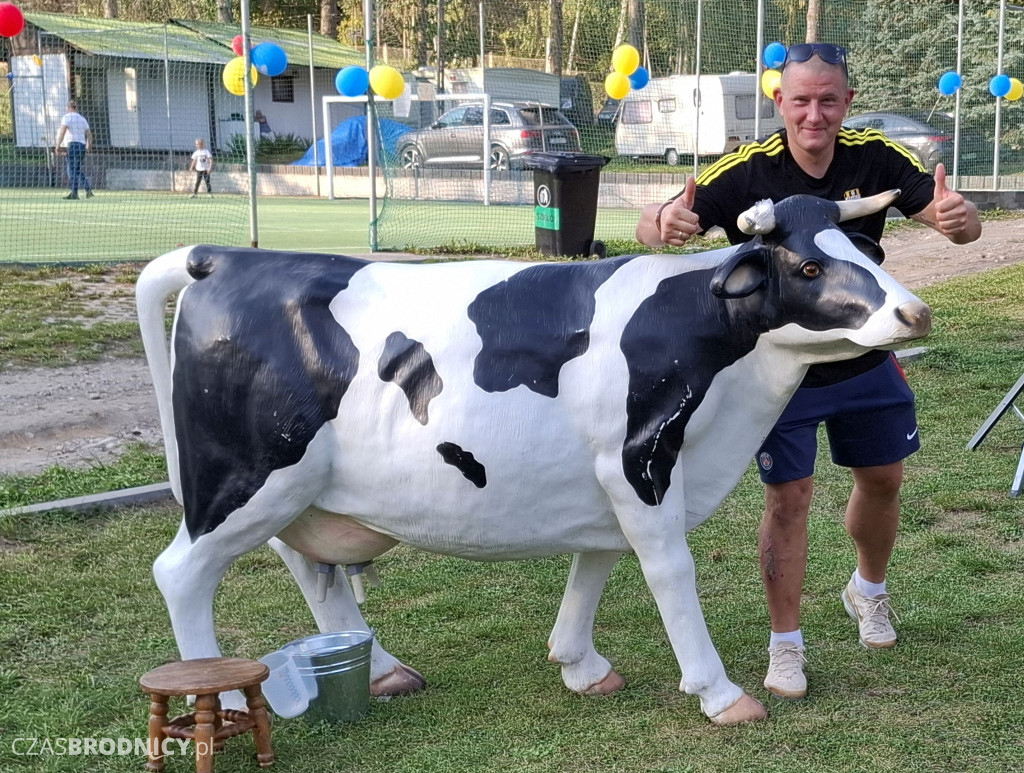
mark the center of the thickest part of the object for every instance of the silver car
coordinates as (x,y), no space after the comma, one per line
(457,137)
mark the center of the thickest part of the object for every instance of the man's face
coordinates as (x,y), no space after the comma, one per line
(813,99)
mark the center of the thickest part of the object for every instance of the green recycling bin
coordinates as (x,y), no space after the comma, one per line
(565,187)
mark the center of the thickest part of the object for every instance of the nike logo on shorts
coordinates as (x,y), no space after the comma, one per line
(912,435)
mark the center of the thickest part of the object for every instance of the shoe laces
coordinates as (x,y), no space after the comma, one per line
(787,662)
(875,613)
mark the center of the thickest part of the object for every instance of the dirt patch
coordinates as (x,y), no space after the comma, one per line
(86,414)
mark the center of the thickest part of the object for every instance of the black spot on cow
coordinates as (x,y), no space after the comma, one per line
(260,365)
(534,322)
(675,343)
(464,462)
(409,365)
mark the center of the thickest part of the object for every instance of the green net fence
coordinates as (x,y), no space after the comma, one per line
(528,53)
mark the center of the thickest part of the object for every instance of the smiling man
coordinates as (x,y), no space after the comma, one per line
(866,404)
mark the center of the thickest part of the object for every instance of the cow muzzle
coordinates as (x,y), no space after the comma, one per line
(916,315)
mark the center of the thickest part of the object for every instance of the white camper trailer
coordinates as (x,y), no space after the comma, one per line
(661,118)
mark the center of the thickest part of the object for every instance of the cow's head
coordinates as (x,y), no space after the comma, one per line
(815,286)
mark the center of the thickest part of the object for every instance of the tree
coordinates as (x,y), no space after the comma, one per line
(109,9)
(329,18)
(224,12)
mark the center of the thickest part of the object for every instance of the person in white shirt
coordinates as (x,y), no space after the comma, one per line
(202,163)
(74,126)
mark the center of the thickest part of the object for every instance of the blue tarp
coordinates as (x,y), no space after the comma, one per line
(348,142)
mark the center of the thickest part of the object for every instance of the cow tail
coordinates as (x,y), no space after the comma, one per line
(158,281)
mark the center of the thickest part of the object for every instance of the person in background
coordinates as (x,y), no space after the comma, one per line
(79,142)
(266,133)
(866,403)
(202,164)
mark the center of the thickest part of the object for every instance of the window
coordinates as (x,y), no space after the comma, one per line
(131,89)
(636,111)
(451,118)
(499,117)
(282,88)
(745,107)
(474,117)
(667,105)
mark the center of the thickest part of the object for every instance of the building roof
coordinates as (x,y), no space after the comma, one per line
(186,40)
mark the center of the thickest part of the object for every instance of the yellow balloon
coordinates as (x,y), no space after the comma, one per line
(770,80)
(616,85)
(1016,90)
(387,82)
(38,60)
(625,60)
(233,77)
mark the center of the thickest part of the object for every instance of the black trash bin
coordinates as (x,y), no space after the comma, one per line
(565,187)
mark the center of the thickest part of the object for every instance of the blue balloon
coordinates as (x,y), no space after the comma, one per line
(639,78)
(1000,85)
(774,55)
(352,81)
(269,59)
(950,82)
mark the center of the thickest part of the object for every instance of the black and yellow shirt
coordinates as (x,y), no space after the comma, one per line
(865,162)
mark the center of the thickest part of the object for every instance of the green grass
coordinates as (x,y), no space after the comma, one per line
(81,620)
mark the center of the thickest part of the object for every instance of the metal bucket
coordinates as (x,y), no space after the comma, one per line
(335,667)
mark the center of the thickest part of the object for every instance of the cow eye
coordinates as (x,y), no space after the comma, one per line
(810,269)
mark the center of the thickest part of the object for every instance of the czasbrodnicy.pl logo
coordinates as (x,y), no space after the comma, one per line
(108,747)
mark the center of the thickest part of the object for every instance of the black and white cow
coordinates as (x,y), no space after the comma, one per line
(494,410)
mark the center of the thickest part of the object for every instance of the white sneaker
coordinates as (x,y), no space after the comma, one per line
(786,678)
(192,196)
(872,616)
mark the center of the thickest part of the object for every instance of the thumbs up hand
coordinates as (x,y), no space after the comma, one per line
(677,220)
(950,207)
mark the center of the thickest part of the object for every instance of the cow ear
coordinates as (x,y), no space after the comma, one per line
(868,246)
(743,272)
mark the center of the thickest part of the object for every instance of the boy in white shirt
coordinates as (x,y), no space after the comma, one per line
(202,163)
(79,141)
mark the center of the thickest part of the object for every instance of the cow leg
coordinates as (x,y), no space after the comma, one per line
(658,535)
(572,639)
(340,612)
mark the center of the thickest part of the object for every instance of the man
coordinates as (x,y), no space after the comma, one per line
(76,128)
(866,403)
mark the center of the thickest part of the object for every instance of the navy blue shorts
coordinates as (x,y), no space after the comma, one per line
(869,418)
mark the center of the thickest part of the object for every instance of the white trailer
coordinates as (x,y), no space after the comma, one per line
(661,118)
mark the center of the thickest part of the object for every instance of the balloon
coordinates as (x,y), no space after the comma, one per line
(639,78)
(12,21)
(625,59)
(270,59)
(950,82)
(386,81)
(1000,85)
(234,77)
(1016,90)
(616,85)
(236,44)
(774,55)
(352,81)
(770,80)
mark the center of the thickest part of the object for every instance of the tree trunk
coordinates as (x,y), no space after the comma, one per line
(620,32)
(224,14)
(329,18)
(422,20)
(635,36)
(109,9)
(575,35)
(813,20)
(555,26)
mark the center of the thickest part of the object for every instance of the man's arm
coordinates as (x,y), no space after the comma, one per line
(671,223)
(60,138)
(950,213)
(88,140)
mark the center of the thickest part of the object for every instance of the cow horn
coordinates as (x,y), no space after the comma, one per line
(854,208)
(759,219)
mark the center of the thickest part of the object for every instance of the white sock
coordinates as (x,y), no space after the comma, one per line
(870,589)
(797,637)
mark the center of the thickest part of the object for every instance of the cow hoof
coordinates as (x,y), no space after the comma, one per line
(611,683)
(746,709)
(400,681)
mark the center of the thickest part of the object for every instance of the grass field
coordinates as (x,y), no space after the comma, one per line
(38,226)
(81,620)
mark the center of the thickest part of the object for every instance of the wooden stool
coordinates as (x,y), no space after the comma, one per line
(208,725)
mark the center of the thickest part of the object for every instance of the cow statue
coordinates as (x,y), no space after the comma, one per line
(495,410)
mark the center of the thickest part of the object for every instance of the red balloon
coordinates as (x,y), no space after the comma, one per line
(12,21)
(236,45)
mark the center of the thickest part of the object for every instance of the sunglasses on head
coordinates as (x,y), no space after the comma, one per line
(827,52)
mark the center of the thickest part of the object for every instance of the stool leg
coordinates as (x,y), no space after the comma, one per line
(157,720)
(206,707)
(218,723)
(261,733)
